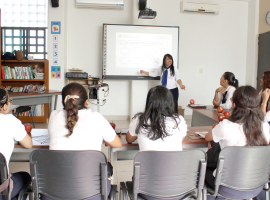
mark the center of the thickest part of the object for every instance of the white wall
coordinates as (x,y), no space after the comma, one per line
(212,44)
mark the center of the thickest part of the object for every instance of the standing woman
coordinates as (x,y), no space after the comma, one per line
(265,93)
(224,94)
(169,77)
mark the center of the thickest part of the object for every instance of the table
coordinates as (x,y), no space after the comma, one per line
(25,99)
(126,152)
(204,116)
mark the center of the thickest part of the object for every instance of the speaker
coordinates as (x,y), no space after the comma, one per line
(142,4)
(55,3)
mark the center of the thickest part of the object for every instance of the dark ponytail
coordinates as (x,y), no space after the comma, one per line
(74,96)
(229,76)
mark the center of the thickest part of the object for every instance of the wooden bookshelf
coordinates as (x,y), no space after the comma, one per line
(22,82)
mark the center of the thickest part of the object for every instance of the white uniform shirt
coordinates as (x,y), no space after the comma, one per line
(170,143)
(88,133)
(11,129)
(171,80)
(267,115)
(228,133)
(228,104)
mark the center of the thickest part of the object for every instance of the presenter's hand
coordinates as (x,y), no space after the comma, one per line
(183,87)
(142,72)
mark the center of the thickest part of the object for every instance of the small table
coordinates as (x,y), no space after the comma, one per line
(25,99)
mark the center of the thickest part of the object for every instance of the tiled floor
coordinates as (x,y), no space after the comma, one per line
(123,170)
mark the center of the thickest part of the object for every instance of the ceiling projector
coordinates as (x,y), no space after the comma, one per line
(145,13)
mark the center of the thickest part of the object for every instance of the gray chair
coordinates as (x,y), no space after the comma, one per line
(66,175)
(241,170)
(170,175)
(4,176)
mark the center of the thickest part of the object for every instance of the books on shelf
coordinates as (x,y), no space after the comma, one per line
(37,111)
(19,72)
(30,88)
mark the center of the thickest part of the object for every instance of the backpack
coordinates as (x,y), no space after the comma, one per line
(8,56)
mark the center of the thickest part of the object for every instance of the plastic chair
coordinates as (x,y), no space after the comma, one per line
(21,109)
(171,174)
(4,176)
(66,175)
(241,169)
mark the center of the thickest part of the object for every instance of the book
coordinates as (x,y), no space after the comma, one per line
(201,134)
(197,105)
(3,72)
(9,73)
(6,72)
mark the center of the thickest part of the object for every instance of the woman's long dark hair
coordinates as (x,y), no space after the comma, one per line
(3,96)
(73,104)
(266,80)
(159,105)
(247,112)
(229,76)
(164,66)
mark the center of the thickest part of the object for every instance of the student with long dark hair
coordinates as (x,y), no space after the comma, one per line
(158,128)
(77,127)
(223,94)
(265,93)
(169,78)
(12,129)
(245,127)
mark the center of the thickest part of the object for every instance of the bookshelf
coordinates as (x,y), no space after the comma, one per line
(22,82)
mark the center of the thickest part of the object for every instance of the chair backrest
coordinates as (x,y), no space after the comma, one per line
(3,174)
(243,168)
(168,174)
(69,174)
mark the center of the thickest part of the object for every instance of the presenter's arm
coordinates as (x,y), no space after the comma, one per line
(216,98)
(180,84)
(26,142)
(209,136)
(265,97)
(116,143)
(130,138)
(144,72)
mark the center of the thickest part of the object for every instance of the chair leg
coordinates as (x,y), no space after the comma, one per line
(204,193)
(32,119)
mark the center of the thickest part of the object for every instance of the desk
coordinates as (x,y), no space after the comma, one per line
(25,99)
(126,152)
(204,117)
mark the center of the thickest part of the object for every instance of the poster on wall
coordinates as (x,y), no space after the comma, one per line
(55,72)
(55,27)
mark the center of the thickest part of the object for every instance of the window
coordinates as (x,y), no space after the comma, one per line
(24,27)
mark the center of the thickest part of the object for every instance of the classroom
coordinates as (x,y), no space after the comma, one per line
(208,46)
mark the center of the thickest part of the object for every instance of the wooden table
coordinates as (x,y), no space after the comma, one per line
(126,152)
(25,99)
(204,116)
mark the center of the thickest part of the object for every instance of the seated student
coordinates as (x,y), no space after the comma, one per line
(12,129)
(158,128)
(78,128)
(223,94)
(245,127)
(265,93)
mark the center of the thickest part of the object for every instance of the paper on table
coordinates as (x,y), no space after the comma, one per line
(124,130)
(40,137)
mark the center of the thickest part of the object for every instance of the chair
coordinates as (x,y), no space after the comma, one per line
(21,109)
(241,169)
(4,176)
(66,175)
(159,174)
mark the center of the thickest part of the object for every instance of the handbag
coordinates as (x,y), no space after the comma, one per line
(212,155)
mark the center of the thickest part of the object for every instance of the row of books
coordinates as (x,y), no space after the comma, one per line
(37,110)
(19,72)
(29,88)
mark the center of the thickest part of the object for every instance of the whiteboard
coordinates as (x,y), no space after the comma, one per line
(127,49)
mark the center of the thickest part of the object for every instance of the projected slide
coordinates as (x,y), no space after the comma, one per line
(133,50)
(127,49)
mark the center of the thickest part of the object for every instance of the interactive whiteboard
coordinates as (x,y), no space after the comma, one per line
(127,49)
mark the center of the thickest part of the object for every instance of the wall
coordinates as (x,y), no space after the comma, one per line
(264,8)
(209,46)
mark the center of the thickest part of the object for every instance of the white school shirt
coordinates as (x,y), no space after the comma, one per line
(228,133)
(170,143)
(171,80)
(228,104)
(267,115)
(11,129)
(88,133)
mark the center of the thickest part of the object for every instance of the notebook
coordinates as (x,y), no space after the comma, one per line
(197,105)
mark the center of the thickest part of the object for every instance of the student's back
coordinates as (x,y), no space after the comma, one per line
(158,128)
